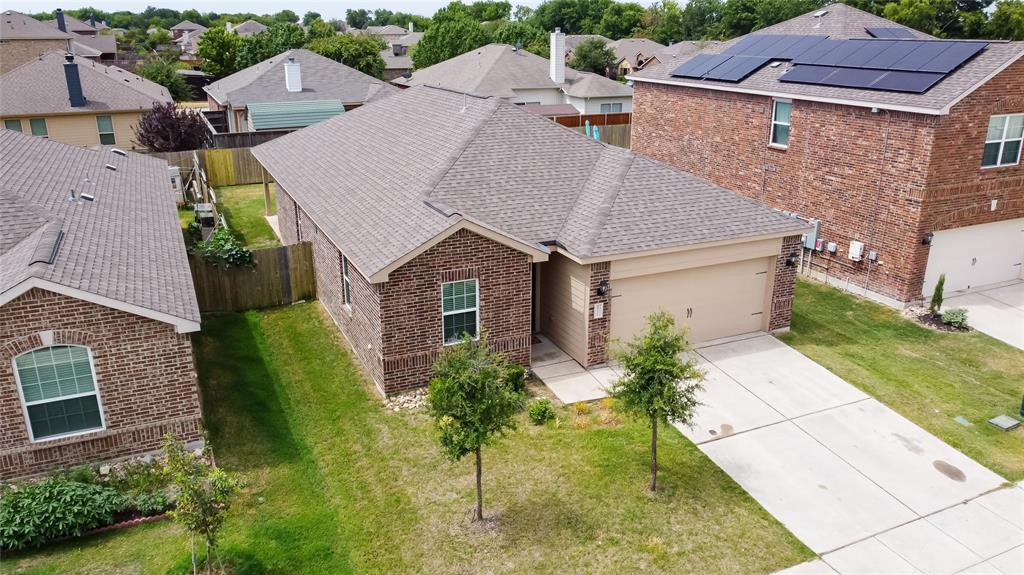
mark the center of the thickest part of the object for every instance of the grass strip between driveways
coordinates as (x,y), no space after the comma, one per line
(336,484)
(927,376)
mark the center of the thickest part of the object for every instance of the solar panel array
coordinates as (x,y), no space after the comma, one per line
(891,33)
(889,64)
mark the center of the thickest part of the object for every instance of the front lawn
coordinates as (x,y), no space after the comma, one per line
(336,484)
(930,377)
(244,211)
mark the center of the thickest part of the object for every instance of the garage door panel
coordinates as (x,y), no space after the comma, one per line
(712,302)
(974,256)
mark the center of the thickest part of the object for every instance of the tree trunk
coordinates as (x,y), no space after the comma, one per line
(195,569)
(479,488)
(654,452)
(209,563)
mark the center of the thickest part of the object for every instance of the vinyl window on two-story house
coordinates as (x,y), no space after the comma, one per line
(780,123)
(460,310)
(1003,141)
(105,127)
(57,385)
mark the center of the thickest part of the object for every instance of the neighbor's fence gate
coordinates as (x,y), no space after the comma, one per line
(280,276)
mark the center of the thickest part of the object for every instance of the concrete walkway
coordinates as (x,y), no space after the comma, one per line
(997,311)
(566,378)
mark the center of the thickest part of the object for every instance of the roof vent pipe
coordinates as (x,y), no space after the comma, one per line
(411,26)
(557,62)
(92,20)
(292,75)
(74,81)
(61,25)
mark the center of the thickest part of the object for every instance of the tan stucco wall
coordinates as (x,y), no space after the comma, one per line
(81,129)
(14,53)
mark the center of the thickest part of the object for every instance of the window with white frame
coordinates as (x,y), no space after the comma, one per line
(58,391)
(1003,141)
(38,127)
(611,108)
(105,128)
(460,310)
(13,125)
(346,286)
(780,123)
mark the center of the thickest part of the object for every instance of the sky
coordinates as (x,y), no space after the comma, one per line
(325,8)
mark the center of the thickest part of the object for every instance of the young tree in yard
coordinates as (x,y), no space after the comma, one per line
(204,494)
(473,399)
(359,52)
(657,383)
(935,306)
(592,55)
(167,128)
(219,50)
(166,74)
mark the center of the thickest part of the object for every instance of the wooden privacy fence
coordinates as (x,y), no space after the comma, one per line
(280,276)
(580,120)
(616,135)
(227,167)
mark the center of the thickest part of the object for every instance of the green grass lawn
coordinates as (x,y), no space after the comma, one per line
(336,484)
(927,376)
(244,211)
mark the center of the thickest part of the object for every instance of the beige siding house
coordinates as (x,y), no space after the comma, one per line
(73,100)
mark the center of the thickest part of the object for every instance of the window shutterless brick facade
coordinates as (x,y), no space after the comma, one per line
(395,327)
(144,372)
(885,178)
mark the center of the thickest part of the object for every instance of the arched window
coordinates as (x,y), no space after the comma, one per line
(58,391)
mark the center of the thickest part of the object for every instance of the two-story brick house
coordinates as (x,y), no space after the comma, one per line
(906,148)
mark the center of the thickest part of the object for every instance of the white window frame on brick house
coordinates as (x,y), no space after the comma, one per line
(25,404)
(1003,138)
(775,122)
(346,285)
(475,308)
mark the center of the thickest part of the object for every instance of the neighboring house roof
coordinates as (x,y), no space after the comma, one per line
(123,250)
(389,30)
(17,26)
(84,50)
(552,110)
(630,49)
(104,44)
(410,39)
(386,181)
(573,40)
(40,87)
(685,48)
(281,115)
(249,27)
(500,70)
(187,25)
(191,36)
(74,25)
(322,79)
(392,62)
(843,22)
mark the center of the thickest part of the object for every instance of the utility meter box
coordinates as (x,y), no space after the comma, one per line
(811,237)
(175,173)
(856,252)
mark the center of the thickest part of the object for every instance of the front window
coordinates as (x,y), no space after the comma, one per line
(460,310)
(780,123)
(58,391)
(611,108)
(105,126)
(1003,141)
(346,286)
(13,125)
(38,126)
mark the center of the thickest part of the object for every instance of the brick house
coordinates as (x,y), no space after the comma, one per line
(96,307)
(911,174)
(434,213)
(23,39)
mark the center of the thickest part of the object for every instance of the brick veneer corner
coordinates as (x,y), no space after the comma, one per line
(784,284)
(599,330)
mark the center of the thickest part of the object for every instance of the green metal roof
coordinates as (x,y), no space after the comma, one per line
(278,115)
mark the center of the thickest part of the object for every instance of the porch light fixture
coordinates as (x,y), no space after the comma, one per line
(791,260)
(602,288)
(927,239)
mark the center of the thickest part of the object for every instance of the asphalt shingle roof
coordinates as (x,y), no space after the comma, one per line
(322,79)
(18,26)
(249,27)
(500,69)
(39,87)
(126,245)
(385,178)
(842,21)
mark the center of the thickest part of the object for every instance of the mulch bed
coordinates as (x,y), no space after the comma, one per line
(934,321)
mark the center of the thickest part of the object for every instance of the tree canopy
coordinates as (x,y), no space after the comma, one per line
(219,50)
(359,52)
(452,32)
(592,55)
(166,74)
(167,128)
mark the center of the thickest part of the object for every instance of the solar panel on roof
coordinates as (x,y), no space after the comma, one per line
(894,53)
(806,74)
(953,57)
(865,53)
(890,32)
(854,77)
(914,82)
(925,53)
(860,78)
(737,68)
(699,65)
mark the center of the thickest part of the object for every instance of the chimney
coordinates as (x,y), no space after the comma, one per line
(60,21)
(557,62)
(411,26)
(75,95)
(229,27)
(92,20)
(292,75)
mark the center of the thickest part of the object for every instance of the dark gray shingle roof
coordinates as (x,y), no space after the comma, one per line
(126,245)
(18,26)
(368,179)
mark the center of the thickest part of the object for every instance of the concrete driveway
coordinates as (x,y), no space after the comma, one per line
(997,311)
(865,488)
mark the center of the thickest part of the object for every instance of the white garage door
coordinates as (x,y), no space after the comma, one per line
(975,255)
(713,301)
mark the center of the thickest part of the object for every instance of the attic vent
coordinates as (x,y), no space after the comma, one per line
(820,13)
(111,167)
(87,197)
(119,152)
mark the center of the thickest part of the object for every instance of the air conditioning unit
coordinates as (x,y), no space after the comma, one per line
(856,252)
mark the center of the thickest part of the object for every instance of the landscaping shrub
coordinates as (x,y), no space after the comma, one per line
(936,303)
(152,503)
(223,247)
(956,317)
(515,377)
(541,411)
(32,514)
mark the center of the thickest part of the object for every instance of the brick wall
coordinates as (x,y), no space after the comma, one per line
(14,53)
(411,326)
(599,329)
(144,373)
(286,216)
(783,285)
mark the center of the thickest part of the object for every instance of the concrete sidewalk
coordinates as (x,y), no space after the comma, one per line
(997,311)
